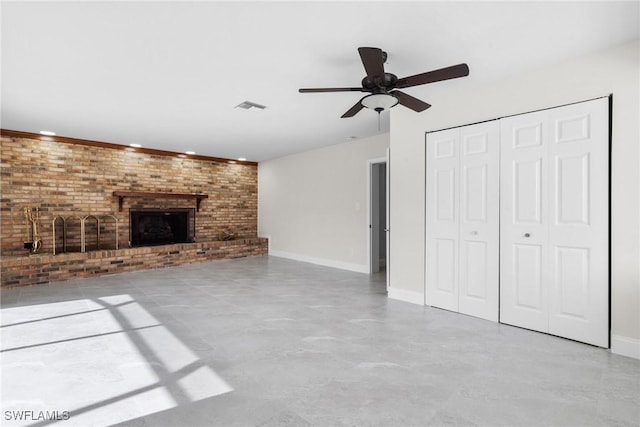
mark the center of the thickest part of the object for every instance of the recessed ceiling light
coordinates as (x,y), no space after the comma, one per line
(47,133)
(242,159)
(135,145)
(189,152)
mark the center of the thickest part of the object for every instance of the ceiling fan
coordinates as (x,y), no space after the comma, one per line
(382,86)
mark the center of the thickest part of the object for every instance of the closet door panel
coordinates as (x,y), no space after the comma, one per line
(579,286)
(527,278)
(523,221)
(479,220)
(442,207)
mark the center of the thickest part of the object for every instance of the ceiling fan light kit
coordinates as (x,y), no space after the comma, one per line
(379,101)
(382,85)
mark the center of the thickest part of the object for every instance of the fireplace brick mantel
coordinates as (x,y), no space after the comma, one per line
(122,194)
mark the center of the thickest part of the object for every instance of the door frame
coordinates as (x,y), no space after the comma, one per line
(368,225)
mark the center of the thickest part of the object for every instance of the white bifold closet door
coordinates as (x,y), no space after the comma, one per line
(462,221)
(554,270)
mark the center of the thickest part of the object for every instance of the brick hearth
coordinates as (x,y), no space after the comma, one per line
(34,269)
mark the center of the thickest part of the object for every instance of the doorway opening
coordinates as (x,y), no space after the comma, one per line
(378,218)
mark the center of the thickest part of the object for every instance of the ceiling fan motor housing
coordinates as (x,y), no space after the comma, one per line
(380,85)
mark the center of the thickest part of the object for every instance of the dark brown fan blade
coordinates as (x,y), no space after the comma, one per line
(373,63)
(447,73)
(409,101)
(353,110)
(333,89)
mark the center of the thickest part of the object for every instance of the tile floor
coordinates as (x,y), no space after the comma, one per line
(272,342)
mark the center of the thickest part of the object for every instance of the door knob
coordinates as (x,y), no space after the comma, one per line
(386,229)
(474,233)
(527,235)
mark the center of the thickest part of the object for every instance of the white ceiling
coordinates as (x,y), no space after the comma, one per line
(168,75)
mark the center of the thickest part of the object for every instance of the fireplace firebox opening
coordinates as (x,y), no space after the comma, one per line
(151,227)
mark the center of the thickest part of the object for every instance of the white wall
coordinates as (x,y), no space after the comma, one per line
(615,71)
(313,205)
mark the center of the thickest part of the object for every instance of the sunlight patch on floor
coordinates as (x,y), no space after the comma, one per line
(101,361)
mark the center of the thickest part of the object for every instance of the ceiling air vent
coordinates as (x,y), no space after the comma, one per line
(248,105)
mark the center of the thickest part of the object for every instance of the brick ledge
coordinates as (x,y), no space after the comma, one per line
(46,268)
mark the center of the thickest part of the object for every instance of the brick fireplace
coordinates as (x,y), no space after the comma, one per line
(78,181)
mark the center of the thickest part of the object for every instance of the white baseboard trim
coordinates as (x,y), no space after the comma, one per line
(625,346)
(406,296)
(321,261)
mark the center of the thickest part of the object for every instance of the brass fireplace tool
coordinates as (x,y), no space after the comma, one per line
(32,241)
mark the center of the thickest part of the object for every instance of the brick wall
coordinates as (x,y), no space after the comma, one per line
(70,179)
